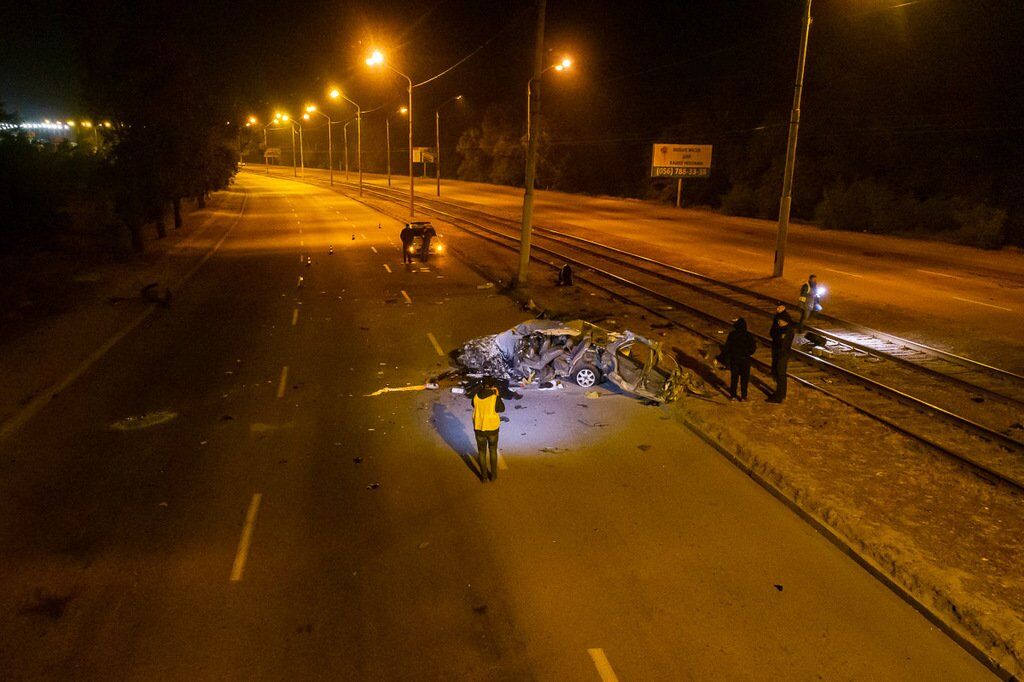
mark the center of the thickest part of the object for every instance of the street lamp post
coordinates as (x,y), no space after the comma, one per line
(378,59)
(335,94)
(387,134)
(786,202)
(437,139)
(311,109)
(344,129)
(560,66)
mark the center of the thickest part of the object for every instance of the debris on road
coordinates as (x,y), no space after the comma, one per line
(373,486)
(144,421)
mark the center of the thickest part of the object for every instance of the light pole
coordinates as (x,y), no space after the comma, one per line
(786,202)
(266,159)
(344,130)
(387,134)
(378,59)
(311,109)
(563,65)
(335,93)
(437,139)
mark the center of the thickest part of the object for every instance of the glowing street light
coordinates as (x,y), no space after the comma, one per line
(561,66)
(312,109)
(377,59)
(437,140)
(335,93)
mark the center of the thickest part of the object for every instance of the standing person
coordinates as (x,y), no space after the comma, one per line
(736,353)
(487,406)
(406,237)
(808,302)
(428,234)
(782,343)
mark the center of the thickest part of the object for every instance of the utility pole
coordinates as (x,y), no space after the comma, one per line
(437,149)
(785,204)
(412,181)
(387,128)
(295,172)
(531,151)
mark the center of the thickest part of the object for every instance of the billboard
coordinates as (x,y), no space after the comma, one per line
(670,160)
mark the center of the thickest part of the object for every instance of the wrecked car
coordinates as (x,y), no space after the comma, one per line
(544,350)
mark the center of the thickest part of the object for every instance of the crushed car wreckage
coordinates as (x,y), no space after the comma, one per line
(545,350)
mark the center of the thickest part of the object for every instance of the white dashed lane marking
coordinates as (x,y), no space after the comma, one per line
(988,305)
(843,272)
(295,316)
(406,296)
(938,274)
(242,554)
(387,267)
(373,248)
(284,382)
(435,344)
(604,668)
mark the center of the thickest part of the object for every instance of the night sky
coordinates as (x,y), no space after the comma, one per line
(912,65)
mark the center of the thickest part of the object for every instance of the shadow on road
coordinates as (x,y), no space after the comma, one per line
(457,434)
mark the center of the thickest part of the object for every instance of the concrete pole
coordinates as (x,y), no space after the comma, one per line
(344,129)
(679,193)
(295,173)
(387,127)
(266,160)
(359,146)
(785,204)
(412,180)
(437,150)
(531,152)
(302,153)
(330,151)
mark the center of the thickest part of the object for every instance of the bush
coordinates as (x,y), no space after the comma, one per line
(740,200)
(979,225)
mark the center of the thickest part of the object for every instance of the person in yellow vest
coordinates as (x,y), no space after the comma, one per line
(487,406)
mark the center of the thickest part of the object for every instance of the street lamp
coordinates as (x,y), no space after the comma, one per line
(335,93)
(387,135)
(312,109)
(786,202)
(377,59)
(563,65)
(437,139)
(344,130)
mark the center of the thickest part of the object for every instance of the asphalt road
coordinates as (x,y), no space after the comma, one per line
(268,520)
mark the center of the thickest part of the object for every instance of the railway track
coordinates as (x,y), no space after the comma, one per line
(963,408)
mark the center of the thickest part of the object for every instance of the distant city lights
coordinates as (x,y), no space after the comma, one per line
(47,124)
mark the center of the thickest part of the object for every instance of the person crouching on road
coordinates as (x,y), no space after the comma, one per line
(406,237)
(736,353)
(487,406)
(782,332)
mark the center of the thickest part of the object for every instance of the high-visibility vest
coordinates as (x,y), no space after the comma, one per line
(805,292)
(485,418)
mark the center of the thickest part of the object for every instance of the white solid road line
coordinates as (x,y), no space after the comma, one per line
(387,267)
(284,382)
(844,272)
(939,274)
(243,543)
(989,305)
(435,344)
(295,316)
(604,668)
(373,248)
(752,253)
(406,296)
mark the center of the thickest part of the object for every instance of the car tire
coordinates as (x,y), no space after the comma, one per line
(587,376)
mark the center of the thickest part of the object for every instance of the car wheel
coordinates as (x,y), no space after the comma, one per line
(586,376)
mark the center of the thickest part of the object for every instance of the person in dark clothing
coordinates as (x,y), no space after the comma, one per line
(565,276)
(406,237)
(782,332)
(736,353)
(428,234)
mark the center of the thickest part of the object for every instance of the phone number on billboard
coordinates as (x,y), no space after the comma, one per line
(672,172)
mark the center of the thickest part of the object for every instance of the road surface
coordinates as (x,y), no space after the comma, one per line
(217,497)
